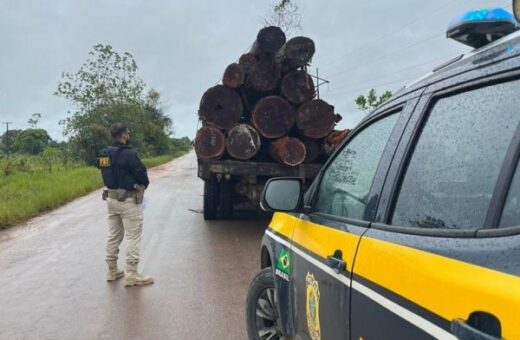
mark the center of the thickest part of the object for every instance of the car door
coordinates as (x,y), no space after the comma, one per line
(325,240)
(441,262)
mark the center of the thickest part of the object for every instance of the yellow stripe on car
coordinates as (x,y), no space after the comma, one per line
(447,287)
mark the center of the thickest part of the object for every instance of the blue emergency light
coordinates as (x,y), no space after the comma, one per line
(479,27)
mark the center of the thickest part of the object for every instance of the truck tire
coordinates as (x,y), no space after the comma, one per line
(211,199)
(262,308)
(226,198)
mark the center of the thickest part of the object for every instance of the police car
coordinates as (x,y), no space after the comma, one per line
(412,228)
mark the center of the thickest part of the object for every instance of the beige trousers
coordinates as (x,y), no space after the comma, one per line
(124,218)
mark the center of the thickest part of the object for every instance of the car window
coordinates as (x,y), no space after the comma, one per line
(346,182)
(452,173)
(511,213)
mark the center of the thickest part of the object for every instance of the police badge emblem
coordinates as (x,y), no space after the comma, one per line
(313,307)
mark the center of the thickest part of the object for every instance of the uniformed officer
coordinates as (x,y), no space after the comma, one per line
(125,178)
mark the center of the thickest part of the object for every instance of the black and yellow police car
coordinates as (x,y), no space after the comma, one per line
(412,228)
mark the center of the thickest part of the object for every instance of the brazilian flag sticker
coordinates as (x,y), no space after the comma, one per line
(283,266)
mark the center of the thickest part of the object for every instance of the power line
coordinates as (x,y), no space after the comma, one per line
(373,86)
(386,74)
(442,6)
(370,61)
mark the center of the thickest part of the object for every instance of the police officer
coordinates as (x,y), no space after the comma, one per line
(125,178)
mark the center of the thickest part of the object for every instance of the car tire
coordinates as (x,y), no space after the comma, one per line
(211,199)
(262,316)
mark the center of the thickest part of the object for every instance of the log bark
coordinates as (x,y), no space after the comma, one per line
(268,41)
(298,87)
(221,107)
(315,119)
(242,142)
(333,141)
(273,117)
(209,143)
(247,61)
(312,150)
(234,76)
(296,52)
(288,151)
(264,76)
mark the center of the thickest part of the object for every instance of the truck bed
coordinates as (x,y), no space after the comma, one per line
(247,168)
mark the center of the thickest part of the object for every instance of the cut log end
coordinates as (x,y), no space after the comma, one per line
(288,151)
(247,61)
(234,76)
(312,150)
(315,119)
(269,40)
(298,87)
(333,141)
(273,117)
(264,75)
(297,52)
(242,142)
(221,107)
(209,143)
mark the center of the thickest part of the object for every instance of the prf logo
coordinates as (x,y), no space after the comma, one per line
(104,161)
(313,307)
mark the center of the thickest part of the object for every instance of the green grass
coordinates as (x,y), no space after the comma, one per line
(25,195)
(155,161)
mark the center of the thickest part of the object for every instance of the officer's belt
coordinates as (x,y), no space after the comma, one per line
(120,194)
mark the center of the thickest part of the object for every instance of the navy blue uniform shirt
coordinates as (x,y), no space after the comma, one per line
(126,168)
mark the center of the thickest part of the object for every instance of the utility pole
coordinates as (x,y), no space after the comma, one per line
(319,82)
(7,134)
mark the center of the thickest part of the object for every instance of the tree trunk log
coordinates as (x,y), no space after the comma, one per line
(247,61)
(234,76)
(209,143)
(333,141)
(298,87)
(288,151)
(221,107)
(264,75)
(297,52)
(242,142)
(268,41)
(312,150)
(315,119)
(273,117)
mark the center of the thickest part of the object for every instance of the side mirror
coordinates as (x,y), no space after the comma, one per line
(516,9)
(282,194)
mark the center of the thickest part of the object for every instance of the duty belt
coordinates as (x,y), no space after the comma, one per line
(120,194)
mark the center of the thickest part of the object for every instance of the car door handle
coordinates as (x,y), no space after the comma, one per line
(463,331)
(335,261)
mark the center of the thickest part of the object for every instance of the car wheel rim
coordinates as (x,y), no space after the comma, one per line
(267,316)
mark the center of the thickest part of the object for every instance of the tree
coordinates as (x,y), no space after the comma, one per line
(34,120)
(105,78)
(7,139)
(106,90)
(287,15)
(371,101)
(31,141)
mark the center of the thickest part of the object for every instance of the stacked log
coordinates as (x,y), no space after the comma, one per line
(209,143)
(266,108)
(242,142)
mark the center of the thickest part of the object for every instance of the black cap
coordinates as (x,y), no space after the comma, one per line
(117,129)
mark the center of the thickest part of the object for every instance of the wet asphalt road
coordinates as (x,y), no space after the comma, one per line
(52,269)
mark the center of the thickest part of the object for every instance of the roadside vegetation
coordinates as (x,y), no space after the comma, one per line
(38,174)
(32,184)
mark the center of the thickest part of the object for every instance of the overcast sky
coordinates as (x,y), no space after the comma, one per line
(182,47)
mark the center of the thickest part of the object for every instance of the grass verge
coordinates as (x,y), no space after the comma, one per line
(23,195)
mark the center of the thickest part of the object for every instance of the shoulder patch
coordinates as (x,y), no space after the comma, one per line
(104,162)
